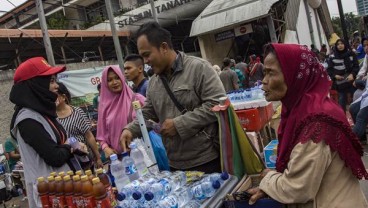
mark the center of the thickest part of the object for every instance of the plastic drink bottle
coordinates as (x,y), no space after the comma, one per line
(79,172)
(61,174)
(155,193)
(168,202)
(183,195)
(43,192)
(74,143)
(138,158)
(53,174)
(104,178)
(70,173)
(221,177)
(205,189)
(69,191)
(130,168)
(87,192)
(51,186)
(192,204)
(139,198)
(89,175)
(77,198)
(99,191)
(59,200)
(178,179)
(117,170)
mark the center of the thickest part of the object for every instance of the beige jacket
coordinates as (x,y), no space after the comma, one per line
(198,88)
(315,177)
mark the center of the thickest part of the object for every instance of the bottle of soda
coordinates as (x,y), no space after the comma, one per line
(43,192)
(70,173)
(87,192)
(99,191)
(59,196)
(104,178)
(69,191)
(53,174)
(79,172)
(89,174)
(51,183)
(77,198)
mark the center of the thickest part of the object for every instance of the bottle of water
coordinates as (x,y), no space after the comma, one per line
(139,198)
(168,202)
(205,190)
(192,204)
(127,191)
(183,195)
(117,170)
(179,177)
(130,168)
(155,193)
(220,177)
(124,204)
(138,158)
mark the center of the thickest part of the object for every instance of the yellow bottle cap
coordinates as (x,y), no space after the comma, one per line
(67,178)
(76,178)
(62,174)
(79,172)
(50,178)
(88,172)
(53,174)
(70,172)
(41,179)
(99,171)
(95,180)
(58,178)
(84,178)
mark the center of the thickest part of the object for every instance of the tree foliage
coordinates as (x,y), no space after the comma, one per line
(57,21)
(351,22)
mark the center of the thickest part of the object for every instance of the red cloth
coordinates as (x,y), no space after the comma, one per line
(308,113)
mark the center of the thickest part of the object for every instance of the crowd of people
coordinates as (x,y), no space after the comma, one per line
(317,147)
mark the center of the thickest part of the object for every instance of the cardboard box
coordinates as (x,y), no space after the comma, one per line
(246,183)
(270,154)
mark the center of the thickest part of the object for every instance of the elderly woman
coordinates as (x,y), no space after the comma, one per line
(319,157)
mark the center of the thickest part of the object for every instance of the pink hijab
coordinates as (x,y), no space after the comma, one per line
(113,111)
(309,114)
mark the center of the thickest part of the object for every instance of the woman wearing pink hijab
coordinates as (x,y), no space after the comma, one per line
(115,109)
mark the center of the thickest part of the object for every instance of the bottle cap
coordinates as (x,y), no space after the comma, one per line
(124,154)
(132,145)
(58,178)
(113,157)
(76,178)
(53,174)
(216,184)
(88,172)
(99,171)
(84,178)
(70,172)
(67,178)
(41,179)
(224,176)
(95,180)
(62,174)
(79,172)
(137,195)
(148,196)
(50,178)
(120,196)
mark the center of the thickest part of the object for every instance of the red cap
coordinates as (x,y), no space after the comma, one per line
(35,67)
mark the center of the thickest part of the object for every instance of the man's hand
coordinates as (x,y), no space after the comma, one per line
(264,173)
(256,193)
(338,77)
(125,139)
(350,78)
(108,152)
(168,128)
(99,163)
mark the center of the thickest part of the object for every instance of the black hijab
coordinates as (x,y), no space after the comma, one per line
(344,53)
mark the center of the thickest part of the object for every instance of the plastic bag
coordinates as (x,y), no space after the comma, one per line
(159,151)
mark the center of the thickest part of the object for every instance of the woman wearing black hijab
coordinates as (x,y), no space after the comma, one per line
(343,67)
(41,139)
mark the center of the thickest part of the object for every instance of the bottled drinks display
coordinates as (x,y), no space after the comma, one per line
(243,95)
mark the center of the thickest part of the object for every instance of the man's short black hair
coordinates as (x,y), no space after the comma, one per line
(135,58)
(226,62)
(238,59)
(155,34)
(99,87)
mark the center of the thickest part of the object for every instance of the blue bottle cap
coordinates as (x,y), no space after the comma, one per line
(120,196)
(224,176)
(148,196)
(216,184)
(113,157)
(137,195)
(124,154)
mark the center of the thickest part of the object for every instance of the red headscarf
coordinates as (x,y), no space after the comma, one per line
(309,114)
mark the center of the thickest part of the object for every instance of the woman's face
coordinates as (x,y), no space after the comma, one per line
(340,46)
(61,99)
(114,82)
(53,87)
(273,82)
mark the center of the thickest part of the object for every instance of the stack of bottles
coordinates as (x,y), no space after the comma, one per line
(169,190)
(76,190)
(243,95)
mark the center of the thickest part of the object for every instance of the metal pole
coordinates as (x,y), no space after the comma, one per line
(343,25)
(154,14)
(271,29)
(45,33)
(115,37)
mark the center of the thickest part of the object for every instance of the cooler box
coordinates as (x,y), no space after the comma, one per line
(231,201)
(270,154)
(255,119)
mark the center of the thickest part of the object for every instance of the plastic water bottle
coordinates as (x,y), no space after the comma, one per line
(220,177)
(179,177)
(183,195)
(205,190)
(130,168)
(192,204)
(155,193)
(139,198)
(74,143)
(124,204)
(168,202)
(127,191)
(138,158)
(117,170)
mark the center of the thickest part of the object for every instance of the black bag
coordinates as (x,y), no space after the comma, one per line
(343,84)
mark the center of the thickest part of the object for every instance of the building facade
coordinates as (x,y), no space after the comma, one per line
(362,6)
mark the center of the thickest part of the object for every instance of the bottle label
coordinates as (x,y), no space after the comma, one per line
(130,170)
(167,187)
(45,201)
(104,203)
(51,200)
(58,201)
(111,196)
(197,193)
(89,202)
(69,201)
(78,202)
(171,202)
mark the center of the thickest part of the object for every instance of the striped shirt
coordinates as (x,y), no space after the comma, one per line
(338,65)
(76,124)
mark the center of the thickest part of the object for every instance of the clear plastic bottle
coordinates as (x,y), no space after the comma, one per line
(139,198)
(155,193)
(179,178)
(130,168)
(205,190)
(192,204)
(138,158)
(183,195)
(221,177)
(168,202)
(117,170)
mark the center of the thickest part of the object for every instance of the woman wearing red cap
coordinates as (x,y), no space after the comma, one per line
(318,157)
(41,139)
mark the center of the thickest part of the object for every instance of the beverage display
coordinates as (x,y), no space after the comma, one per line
(51,186)
(117,170)
(205,189)
(43,192)
(77,198)
(59,200)
(168,202)
(87,192)
(221,177)
(99,192)
(130,168)
(107,184)
(89,175)
(138,158)
(69,191)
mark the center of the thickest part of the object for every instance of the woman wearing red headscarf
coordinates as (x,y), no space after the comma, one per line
(319,157)
(255,70)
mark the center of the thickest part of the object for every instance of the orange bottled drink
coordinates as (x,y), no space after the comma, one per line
(87,192)
(77,198)
(89,174)
(79,172)
(69,191)
(99,191)
(70,173)
(43,192)
(53,174)
(104,178)
(51,185)
(59,200)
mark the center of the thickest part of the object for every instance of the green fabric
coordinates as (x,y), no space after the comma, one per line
(238,165)
(11,146)
(95,102)
(240,75)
